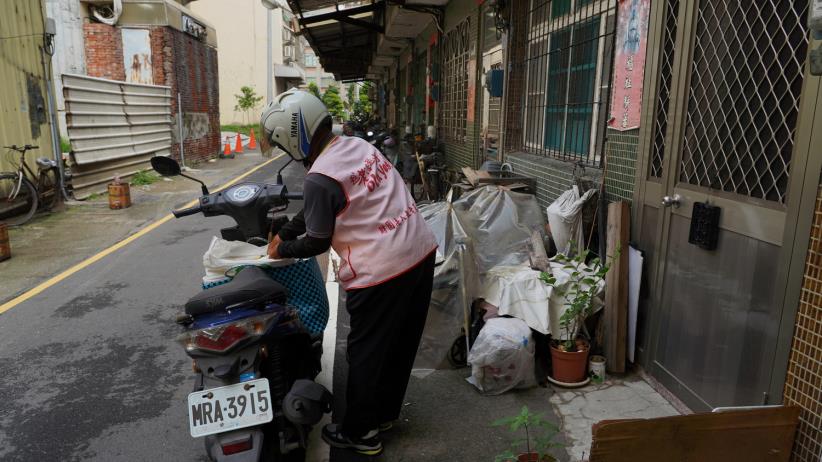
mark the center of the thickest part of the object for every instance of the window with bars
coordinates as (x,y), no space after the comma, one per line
(454,83)
(568,65)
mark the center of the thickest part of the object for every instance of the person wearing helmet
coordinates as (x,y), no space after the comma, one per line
(356,203)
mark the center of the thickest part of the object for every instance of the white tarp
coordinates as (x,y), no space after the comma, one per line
(518,292)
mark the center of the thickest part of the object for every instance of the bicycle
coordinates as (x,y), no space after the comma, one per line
(20,197)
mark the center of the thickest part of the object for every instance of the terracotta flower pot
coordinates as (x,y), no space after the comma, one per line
(567,366)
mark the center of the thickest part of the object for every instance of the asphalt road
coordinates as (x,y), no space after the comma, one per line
(89,369)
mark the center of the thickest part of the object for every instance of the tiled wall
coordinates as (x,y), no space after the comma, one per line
(553,176)
(621,155)
(803,385)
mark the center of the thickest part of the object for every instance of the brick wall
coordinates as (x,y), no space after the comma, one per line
(189,67)
(104,51)
(803,385)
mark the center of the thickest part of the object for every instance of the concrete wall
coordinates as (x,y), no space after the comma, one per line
(242,28)
(69,45)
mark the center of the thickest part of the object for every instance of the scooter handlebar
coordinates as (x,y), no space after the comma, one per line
(298,196)
(186,212)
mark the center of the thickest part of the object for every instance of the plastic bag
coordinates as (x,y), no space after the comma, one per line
(455,283)
(502,357)
(223,255)
(565,218)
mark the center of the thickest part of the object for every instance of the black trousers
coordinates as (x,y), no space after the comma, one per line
(387,321)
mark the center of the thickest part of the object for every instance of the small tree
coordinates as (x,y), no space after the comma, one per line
(314,89)
(333,102)
(539,435)
(579,292)
(247,101)
(362,106)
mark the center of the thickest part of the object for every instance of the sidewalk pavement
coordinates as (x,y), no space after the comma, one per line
(53,242)
(445,418)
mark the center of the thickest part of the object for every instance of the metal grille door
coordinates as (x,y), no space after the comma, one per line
(723,135)
(668,51)
(743,98)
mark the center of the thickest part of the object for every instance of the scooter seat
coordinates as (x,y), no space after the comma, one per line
(251,285)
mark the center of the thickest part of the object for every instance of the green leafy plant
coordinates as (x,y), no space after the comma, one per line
(247,101)
(539,435)
(65,144)
(244,129)
(579,292)
(333,102)
(361,106)
(144,177)
(314,89)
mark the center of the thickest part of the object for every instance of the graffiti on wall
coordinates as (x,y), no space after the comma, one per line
(137,56)
(629,63)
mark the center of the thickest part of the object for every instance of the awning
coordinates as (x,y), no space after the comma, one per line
(343,33)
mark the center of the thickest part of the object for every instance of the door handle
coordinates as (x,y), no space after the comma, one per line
(672,201)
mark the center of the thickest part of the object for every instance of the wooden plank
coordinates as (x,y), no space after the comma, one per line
(616,287)
(764,434)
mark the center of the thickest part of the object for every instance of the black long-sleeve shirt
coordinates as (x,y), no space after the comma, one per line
(323,200)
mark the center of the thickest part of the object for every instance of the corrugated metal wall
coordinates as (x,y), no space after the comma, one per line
(24,117)
(114,128)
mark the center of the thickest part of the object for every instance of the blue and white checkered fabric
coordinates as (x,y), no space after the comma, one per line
(306,290)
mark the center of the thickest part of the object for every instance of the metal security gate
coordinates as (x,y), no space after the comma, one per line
(720,128)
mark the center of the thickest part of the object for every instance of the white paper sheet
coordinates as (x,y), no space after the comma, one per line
(634,278)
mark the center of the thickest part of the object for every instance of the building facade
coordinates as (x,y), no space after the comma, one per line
(243,53)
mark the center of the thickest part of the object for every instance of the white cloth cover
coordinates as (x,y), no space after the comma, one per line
(565,220)
(518,292)
(502,357)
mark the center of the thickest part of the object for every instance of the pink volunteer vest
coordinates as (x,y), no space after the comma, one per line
(379,234)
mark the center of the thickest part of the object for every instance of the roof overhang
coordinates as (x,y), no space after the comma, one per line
(344,34)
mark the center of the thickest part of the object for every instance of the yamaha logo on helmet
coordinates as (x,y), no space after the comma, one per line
(294,124)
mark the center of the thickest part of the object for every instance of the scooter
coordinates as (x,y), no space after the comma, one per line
(254,396)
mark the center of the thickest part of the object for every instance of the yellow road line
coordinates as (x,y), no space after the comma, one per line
(102,254)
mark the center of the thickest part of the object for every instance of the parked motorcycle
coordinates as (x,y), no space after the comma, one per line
(254,396)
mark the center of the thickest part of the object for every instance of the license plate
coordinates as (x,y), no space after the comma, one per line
(222,409)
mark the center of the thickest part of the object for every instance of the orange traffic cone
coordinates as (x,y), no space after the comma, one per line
(238,148)
(252,143)
(227,150)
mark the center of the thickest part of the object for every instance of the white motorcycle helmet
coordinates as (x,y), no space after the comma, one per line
(290,121)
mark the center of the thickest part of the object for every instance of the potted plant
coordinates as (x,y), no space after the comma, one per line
(569,354)
(538,441)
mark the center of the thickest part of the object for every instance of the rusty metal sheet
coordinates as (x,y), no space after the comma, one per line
(114,128)
(24,116)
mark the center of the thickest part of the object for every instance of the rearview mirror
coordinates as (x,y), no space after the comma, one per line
(165,166)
